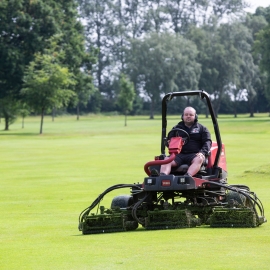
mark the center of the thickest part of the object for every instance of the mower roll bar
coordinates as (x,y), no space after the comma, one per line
(203,95)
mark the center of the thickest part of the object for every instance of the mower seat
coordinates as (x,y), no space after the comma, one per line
(182,169)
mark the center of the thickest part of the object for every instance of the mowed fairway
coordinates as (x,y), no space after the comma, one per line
(47,180)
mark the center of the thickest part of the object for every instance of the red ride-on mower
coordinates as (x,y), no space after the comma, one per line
(178,200)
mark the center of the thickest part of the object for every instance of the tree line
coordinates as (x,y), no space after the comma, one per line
(123,55)
(178,45)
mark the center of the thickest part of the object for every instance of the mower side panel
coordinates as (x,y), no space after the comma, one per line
(222,160)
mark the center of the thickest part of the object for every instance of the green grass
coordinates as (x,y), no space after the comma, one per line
(47,180)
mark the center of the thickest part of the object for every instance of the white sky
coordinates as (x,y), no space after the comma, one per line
(257,3)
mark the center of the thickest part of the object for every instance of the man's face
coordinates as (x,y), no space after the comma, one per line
(189,116)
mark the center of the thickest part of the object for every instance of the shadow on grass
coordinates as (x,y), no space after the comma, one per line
(7,133)
(139,230)
(143,230)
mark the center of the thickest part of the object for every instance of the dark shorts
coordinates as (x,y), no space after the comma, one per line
(184,158)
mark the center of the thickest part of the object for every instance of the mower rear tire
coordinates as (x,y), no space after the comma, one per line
(122,201)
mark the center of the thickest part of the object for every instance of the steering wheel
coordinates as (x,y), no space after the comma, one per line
(186,138)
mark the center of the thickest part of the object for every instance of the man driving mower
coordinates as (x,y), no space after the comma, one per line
(195,151)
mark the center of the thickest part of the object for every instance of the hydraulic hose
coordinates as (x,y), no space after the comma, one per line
(87,210)
(249,195)
(157,162)
(135,208)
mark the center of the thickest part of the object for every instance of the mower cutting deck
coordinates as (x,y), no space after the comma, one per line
(178,200)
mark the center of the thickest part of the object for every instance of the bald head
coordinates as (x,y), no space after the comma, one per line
(189,116)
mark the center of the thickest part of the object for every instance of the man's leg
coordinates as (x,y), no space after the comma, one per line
(166,168)
(196,164)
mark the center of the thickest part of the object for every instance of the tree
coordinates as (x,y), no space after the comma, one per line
(158,61)
(25,29)
(112,24)
(98,17)
(219,59)
(78,60)
(223,8)
(46,85)
(184,14)
(84,89)
(126,96)
(24,111)
(9,108)
(262,51)
(254,23)
(241,87)
(134,17)
(250,81)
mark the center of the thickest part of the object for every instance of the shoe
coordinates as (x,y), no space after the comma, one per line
(154,172)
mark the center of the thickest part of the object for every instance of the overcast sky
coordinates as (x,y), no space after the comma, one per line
(257,3)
